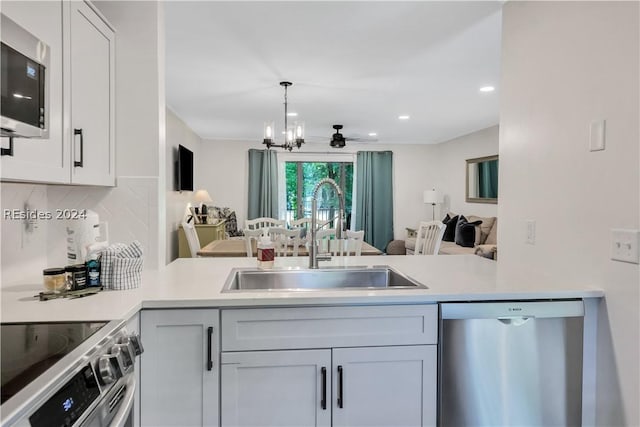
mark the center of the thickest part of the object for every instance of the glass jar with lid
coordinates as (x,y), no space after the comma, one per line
(54,279)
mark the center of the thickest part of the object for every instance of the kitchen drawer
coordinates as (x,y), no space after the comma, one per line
(324,327)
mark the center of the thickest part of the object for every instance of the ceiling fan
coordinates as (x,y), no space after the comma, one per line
(339,140)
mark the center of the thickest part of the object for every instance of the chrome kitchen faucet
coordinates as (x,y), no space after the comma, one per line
(313,247)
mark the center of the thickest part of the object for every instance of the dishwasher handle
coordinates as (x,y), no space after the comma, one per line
(512,309)
(514,320)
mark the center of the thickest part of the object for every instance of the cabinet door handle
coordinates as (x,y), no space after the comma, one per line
(80,163)
(209,349)
(340,402)
(8,151)
(323,402)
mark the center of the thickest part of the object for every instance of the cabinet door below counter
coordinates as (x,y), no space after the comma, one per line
(180,367)
(385,386)
(276,388)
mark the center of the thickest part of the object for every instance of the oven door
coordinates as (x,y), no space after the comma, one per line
(116,408)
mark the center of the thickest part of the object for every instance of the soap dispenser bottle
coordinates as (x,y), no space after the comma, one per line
(266,252)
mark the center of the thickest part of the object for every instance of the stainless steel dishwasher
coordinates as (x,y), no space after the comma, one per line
(511,364)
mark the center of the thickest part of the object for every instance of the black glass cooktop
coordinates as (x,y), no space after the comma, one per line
(29,349)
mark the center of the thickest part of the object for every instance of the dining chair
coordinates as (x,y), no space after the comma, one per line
(250,235)
(353,242)
(428,238)
(324,239)
(284,238)
(304,224)
(192,238)
(263,222)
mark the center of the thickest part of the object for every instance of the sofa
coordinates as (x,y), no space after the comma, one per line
(485,244)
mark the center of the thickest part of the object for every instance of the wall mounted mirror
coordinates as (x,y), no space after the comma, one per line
(482,180)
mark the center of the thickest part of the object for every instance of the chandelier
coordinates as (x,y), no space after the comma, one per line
(293,135)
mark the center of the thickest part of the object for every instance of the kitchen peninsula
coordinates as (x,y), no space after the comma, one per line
(311,346)
(197,282)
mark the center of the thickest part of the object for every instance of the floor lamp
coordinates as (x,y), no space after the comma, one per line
(432,197)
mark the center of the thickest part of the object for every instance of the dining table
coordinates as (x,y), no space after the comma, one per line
(237,248)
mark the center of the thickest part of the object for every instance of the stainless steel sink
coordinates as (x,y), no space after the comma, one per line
(365,278)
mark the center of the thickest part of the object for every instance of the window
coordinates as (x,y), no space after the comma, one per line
(301,178)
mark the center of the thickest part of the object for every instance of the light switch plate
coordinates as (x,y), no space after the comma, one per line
(531,233)
(624,245)
(597,135)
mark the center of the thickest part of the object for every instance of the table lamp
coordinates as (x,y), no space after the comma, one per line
(202,197)
(433,198)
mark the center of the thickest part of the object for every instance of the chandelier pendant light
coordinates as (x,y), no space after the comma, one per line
(293,135)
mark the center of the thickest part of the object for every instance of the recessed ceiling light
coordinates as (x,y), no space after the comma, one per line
(404,117)
(487,89)
(292,114)
(373,134)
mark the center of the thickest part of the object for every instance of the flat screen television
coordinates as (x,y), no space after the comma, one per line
(184,169)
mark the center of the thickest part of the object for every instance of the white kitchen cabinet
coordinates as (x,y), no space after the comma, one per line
(385,386)
(180,367)
(382,366)
(276,388)
(363,386)
(80,148)
(91,132)
(37,159)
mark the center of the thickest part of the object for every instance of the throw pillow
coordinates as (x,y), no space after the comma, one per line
(450,231)
(485,228)
(466,232)
(231,226)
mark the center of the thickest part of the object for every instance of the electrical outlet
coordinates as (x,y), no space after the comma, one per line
(531,233)
(624,245)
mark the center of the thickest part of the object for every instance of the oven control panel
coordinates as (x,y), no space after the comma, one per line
(76,397)
(70,402)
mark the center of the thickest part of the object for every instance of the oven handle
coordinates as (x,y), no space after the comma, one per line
(120,419)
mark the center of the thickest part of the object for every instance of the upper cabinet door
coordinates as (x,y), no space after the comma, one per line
(36,159)
(91,130)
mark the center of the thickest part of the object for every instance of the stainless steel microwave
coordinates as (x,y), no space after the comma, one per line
(24,82)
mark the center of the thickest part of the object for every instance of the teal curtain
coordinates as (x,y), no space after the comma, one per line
(374,197)
(488,179)
(263,184)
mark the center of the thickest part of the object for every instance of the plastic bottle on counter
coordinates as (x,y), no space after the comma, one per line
(93,271)
(266,252)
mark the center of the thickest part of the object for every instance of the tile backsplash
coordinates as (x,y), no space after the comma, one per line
(130,209)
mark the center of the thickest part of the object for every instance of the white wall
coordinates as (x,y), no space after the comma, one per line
(178,133)
(140,109)
(564,65)
(222,170)
(23,250)
(452,156)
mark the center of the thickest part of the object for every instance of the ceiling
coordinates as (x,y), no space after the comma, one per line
(359,64)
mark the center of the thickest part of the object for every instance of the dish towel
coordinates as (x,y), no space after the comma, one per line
(121,266)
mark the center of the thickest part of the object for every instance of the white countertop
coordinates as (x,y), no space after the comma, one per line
(197,282)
